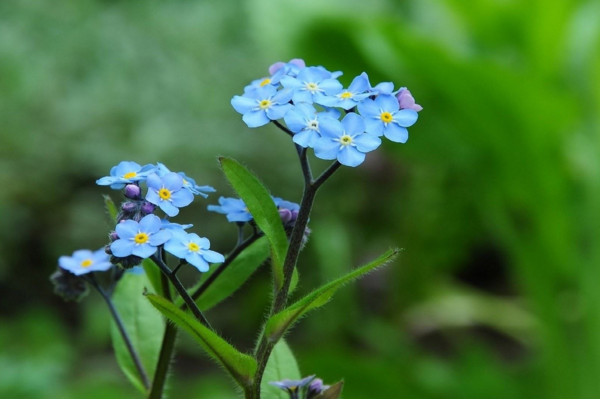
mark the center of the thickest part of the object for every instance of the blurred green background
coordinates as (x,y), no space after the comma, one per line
(495,198)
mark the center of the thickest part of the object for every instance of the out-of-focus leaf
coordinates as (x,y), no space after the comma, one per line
(332,392)
(111,208)
(143,324)
(281,365)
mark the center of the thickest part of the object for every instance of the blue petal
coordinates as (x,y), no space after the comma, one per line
(306,138)
(160,237)
(387,102)
(197,261)
(396,133)
(172,181)
(144,250)
(150,224)
(122,247)
(153,181)
(326,149)
(182,198)
(368,108)
(331,128)
(353,124)
(374,126)
(127,229)
(212,256)
(168,208)
(365,142)
(359,84)
(350,157)
(295,119)
(406,117)
(243,104)
(254,119)
(277,111)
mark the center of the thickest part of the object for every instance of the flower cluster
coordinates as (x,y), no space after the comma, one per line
(305,388)
(339,123)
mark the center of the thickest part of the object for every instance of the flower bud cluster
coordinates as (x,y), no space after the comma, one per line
(339,123)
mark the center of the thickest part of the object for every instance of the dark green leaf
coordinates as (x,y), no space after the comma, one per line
(239,365)
(143,323)
(153,273)
(263,210)
(281,365)
(280,322)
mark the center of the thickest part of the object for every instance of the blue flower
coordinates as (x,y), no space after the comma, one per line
(85,261)
(295,388)
(194,249)
(188,183)
(383,116)
(166,192)
(262,105)
(166,224)
(125,172)
(290,68)
(312,85)
(234,209)
(358,90)
(347,141)
(139,238)
(304,120)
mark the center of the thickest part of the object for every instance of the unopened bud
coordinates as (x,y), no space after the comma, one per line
(285,214)
(132,191)
(128,206)
(147,208)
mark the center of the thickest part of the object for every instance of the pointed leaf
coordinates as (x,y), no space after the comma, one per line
(280,322)
(153,273)
(111,208)
(281,365)
(332,392)
(263,210)
(144,325)
(239,365)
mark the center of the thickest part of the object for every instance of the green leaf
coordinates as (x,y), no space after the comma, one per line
(280,322)
(263,210)
(239,365)
(144,325)
(235,275)
(111,208)
(281,365)
(153,273)
(332,392)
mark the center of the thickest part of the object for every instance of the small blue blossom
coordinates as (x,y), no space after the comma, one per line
(167,192)
(290,68)
(346,141)
(358,90)
(304,121)
(262,105)
(234,209)
(85,261)
(166,224)
(188,183)
(194,249)
(312,85)
(295,388)
(139,239)
(125,172)
(383,116)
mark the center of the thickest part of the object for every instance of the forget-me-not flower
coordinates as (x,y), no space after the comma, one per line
(85,261)
(346,141)
(358,90)
(168,193)
(139,239)
(194,249)
(304,121)
(262,105)
(125,172)
(383,116)
(312,85)
(188,183)
(234,209)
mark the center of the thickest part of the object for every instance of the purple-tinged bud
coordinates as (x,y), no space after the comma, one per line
(129,206)
(285,214)
(294,215)
(315,388)
(298,62)
(407,101)
(147,208)
(113,236)
(132,191)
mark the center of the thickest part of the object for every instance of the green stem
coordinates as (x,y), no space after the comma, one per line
(164,360)
(117,318)
(181,290)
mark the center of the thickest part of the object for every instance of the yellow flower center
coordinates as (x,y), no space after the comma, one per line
(346,95)
(311,87)
(346,140)
(141,238)
(86,263)
(386,117)
(265,82)
(264,104)
(193,247)
(130,175)
(164,194)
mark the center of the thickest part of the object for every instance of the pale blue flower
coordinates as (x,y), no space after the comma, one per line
(312,85)
(383,116)
(85,261)
(346,141)
(194,249)
(234,209)
(168,193)
(126,172)
(262,105)
(139,239)
(188,183)
(358,90)
(304,121)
